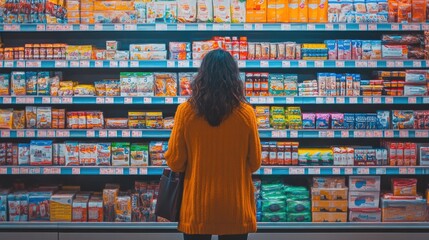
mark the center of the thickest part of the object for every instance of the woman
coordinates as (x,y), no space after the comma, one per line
(215,141)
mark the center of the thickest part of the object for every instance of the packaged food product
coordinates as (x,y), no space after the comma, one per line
(87,154)
(168,123)
(84,90)
(95,209)
(123,208)
(103,154)
(405,210)
(120,154)
(149,55)
(71,154)
(394,51)
(365,215)
(162,11)
(329,193)
(17,203)
(18,87)
(40,152)
(44,117)
(31,117)
(364,183)
(418,11)
(364,199)
(329,217)
(154,120)
(136,120)
(329,206)
(238,11)
(110,196)
(298,206)
(139,154)
(6,118)
(403,119)
(256,11)
(61,207)
(185,80)
(180,47)
(18,119)
(165,84)
(406,39)
(116,123)
(404,186)
(329,182)
(23,154)
(221,11)
(80,208)
(112,45)
(187,11)
(205,11)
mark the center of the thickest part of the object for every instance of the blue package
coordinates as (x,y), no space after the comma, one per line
(349,120)
(31,82)
(258,216)
(322,120)
(371,121)
(308,120)
(360,121)
(39,206)
(383,119)
(332,49)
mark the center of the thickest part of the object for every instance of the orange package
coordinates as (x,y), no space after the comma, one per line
(418,11)
(272,11)
(393,11)
(293,11)
(303,11)
(256,11)
(404,11)
(313,7)
(277,11)
(322,11)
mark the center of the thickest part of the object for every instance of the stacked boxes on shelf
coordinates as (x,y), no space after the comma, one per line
(329,199)
(364,199)
(298,204)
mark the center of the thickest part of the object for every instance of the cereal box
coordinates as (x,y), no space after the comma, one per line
(222,11)
(205,11)
(95,209)
(187,11)
(80,208)
(61,207)
(120,154)
(87,154)
(238,11)
(44,117)
(39,206)
(139,154)
(18,206)
(71,154)
(18,86)
(40,152)
(23,154)
(3,204)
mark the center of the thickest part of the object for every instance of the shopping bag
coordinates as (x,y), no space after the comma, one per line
(170,195)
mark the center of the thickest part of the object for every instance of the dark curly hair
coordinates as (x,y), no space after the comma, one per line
(217,89)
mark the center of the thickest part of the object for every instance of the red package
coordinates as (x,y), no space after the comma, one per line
(404,12)
(404,186)
(419,11)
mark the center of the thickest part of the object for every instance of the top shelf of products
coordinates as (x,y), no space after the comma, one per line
(215,27)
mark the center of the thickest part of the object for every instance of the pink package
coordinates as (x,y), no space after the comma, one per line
(323,120)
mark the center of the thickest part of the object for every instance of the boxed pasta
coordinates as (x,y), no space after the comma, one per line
(40,152)
(165,84)
(139,154)
(120,154)
(205,11)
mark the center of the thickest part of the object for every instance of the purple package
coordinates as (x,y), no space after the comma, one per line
(347,49)
(337,120)
(322,120)
(308,120)
(332,49)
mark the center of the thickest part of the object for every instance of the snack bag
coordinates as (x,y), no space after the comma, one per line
(18,119)
(205,11)
(18,83)
(185,80)
(4,84)
(6,119)
(43,83)
(222,11)
(418,10)
(146,84)
(31,78)
(187,11)
(165,84)
(139,154)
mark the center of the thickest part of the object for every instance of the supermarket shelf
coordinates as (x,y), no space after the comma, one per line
(31,64)
(265,170)
(173,226)
(178,100)
(215,27)
(165,133)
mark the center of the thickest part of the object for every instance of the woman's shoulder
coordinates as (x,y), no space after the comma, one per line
(246,112)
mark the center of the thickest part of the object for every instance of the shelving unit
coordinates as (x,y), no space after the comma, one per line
(186,32)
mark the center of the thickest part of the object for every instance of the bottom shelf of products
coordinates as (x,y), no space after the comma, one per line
(279,199)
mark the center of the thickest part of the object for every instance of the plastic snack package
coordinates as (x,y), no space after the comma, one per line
(139,154)
(154,120)
(407,39)
(129,84)
(31,83)
(103,154)
(18,119)
(180,46)
(71,154)
(18,86)
(168,123)
(145,85)
(100,88)
(185,80)
(44,117)
(123,208)
(404,186)
(87,154)
(334,11)
(116,123)
(187,11)
(113,88)
(222,11)
(393,10)
(165,84)
(120,154)
(404,11)
(6,118)
(40,152)
(43,83)
(161,12)
(360,6)
(4,84)
(84,90)
(205,11)
(23,154)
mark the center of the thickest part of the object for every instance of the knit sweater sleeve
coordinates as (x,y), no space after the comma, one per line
(254,157)
(177,155)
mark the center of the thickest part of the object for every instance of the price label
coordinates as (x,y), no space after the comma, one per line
(136,134)
(367,100)
(183,64)
(169,100)
(421,134)
(376,100)
(119,171)
(134,64)
(290,100)
(113,64)
(12,27)
(20,64)
(181,27)
(394,27)
(83,27)
(42,133)
(123,64)
(399,64)
(248,26)
(99,100)
(285,27)
(259,26)
(67,100)
(60,64)
(275,134)
(268,171)
(84,64)
(98,27)
(336,171)
(40,27)
(319,64)
(241,64)
(330,100)
(143,171)
(285,64)
(90,133)
(314,171)
(359,134)
(262,100)
(20,133)
(7,100)
(171,64)
(74,64)
(133,171)
(412,100)
(311,27)
(348,171)
(344,134)
(8,64)
(5,134)
(270,100)
(294,134)
(24,170)
(130,27)
(160,27)
(388,100)
(302,64)
(369,134)
(107,171)
(329,26)
(34,170)
(30,134)
(378,133)
(322,134)
(196,63)
(372,27)
(76,171)
(341,100)
(403,171)
(363,171)
(361,64)
(415,27)
(320,100)
(217,27)
(264,64)
(372,64)
(406,27)
(34,64)
(388,134)
(296,171)
(363,27)
(342,27)
(3,170)
(15,170)
(119,27)
(67,27)
(353,100)
(126,133)
(390,64)
(128,100)
(102,133)
(417,64)
(113,133)
(425,27)
(380,171)
(52,170)
(330,134)
(29,100)
(65,133)
(99,64)
(147,100)
(339,64)
(283,134)
(181,99)
(56,100)
(403,133)
(20,100)
(202,26)
(109,100)
(411,170)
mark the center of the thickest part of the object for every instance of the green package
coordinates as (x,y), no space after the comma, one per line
(276,84)
(274,217)
(299,217)
(273,205)
(139,154)
(296,206)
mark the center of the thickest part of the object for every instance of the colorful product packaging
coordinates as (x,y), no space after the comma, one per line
(40,152)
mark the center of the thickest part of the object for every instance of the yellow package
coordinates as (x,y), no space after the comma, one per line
(104,5)
(73,14)
(293,11)
(238,11)
(72,6)
(256,11)
(61,207)
(322,11)
(87,7)
(222,11)
(124,5)
(303,11)
(86,14)
(313,6)
(271,11)
(6,118)
(282,11)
